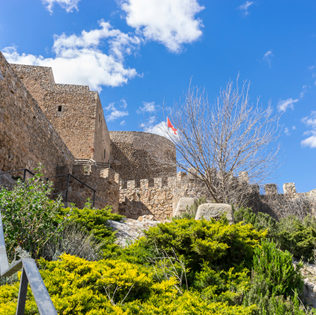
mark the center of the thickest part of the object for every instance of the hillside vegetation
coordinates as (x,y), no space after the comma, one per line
(181,267)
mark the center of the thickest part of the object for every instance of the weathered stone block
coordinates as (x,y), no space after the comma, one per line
(182,205)
(270,189)
(215,211)
(289,189)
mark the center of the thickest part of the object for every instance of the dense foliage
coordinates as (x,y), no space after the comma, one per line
(29,217)
(290,233)
(181,267)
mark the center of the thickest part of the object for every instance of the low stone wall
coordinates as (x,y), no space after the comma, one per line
(160,196)
(150,198)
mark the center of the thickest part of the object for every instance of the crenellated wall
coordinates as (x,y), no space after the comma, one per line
(153,197)
(138,155)
(159,196)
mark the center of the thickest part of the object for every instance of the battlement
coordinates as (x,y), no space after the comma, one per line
(158,182)
(185,180)
(95,171)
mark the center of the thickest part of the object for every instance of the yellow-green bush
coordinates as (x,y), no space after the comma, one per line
(217,242)
(78,287)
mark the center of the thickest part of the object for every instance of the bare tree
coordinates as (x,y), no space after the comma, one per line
(218,141)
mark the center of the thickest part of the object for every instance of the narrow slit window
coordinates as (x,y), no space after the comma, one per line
(59,108)
(104,153)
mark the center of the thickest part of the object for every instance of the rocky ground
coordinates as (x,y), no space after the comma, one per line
(130,230)
(309,275)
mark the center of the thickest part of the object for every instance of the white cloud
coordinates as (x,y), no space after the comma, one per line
(123,103)
(147,107)
(283,105)
(115,113)
(267,57)
(304,90)
(310,122)
(171,23)
(309,142)
(293,127)
(68,5)
(161,129)
(79,59)
(287,132)
(244,7)
(123,123)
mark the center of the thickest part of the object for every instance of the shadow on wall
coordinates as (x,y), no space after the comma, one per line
(133,209)
(138,164)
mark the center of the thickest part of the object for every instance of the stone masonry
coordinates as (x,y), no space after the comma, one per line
(139,155)
(75,112)
(27,137)
(63,126)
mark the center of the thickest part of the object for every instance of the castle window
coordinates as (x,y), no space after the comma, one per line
(104,153)
(59,108)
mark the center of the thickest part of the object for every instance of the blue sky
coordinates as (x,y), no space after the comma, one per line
(141,53)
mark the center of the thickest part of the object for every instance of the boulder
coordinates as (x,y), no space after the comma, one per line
(214,210)
(182,205)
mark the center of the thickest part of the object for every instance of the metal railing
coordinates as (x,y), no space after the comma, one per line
(25,170)
(30,275)
(67,189)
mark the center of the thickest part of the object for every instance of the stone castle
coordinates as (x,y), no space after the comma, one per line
(63,127)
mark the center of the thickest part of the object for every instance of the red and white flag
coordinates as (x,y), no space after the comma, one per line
(169,124)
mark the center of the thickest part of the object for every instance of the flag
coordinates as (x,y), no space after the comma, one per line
(169,124)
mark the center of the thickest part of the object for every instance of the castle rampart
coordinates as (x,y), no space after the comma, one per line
(63,126)
(26,135)
(74,110)
(138,155)
(160,197)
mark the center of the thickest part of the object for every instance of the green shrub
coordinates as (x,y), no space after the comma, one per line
(290,233)
(219,244)
(298,237)
(29,217)
(80,287)
(261,221)
(275,281)
(93,220)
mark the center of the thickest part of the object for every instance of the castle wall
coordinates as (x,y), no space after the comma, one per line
(102,141)
(75,112)
(102,180)
(161,197)
(155,199)
(139,155)
(26,136)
